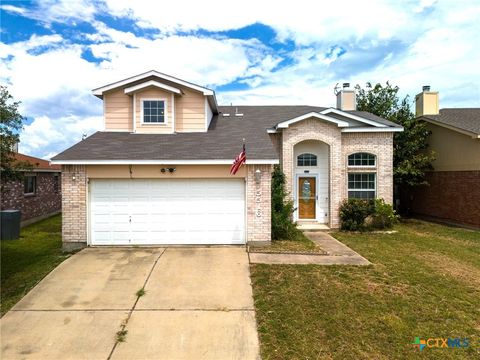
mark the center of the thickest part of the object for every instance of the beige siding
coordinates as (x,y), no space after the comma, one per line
(153,93)
(453,151)
(190,111)
(118,111)
(153,171)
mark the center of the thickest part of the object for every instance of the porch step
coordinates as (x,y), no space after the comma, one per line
(312,226)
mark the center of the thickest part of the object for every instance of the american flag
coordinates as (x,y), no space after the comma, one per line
(239,160)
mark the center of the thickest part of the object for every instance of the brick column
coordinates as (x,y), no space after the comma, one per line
(74,207)
(259,204)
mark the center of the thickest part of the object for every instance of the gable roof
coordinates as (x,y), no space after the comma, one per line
(220,144)
(37,163)
(463,120)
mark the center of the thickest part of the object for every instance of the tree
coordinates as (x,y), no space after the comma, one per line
(10,126)
(283,228)
(411,159)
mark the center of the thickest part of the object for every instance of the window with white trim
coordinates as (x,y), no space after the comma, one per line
(307,160)
(29,185)
(362,185)
(153,111)
(362,159)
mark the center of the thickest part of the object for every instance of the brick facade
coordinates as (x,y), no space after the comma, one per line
(74,206)
(46,201)
(452,196)
(340,146)
(259,204)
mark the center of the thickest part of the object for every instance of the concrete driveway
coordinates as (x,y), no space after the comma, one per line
(198,305)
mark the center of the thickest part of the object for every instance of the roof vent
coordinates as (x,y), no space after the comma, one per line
(346,85)
(225,115)
(426,88)
(237,113)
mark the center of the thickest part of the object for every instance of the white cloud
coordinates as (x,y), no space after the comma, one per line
(410,43)
(46,136)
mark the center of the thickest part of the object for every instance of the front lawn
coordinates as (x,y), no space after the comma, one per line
(300,244)
(425,282)
(26,261)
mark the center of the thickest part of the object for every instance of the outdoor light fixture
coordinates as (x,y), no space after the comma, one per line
(258,176)
(162,170)
(171,170)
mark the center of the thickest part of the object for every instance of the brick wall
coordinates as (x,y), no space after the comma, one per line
(452,196)
(259,204)
(340,146)
(379,144)
(74,204)
(46,200)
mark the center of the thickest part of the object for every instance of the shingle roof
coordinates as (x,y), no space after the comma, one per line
(37,163)
(467,119)
(222,141)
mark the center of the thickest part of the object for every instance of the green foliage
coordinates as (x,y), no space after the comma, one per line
(383,216)
(360,215)
(141,292)
(282,225)
(10,125)
(411,159)
(353,213)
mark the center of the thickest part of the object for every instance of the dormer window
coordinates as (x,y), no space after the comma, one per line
(153,111)
(307,160)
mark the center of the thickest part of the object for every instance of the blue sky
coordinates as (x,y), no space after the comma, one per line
(54,52)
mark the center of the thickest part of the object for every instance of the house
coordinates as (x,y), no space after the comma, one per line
(159,173)
(38,194)
(453,194)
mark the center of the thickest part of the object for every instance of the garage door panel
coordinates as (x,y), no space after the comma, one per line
(176,211)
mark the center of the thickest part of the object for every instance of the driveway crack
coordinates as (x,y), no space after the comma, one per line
(121,334)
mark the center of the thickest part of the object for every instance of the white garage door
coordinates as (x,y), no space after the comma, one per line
(179,211)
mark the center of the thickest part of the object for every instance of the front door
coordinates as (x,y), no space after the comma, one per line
(307,197)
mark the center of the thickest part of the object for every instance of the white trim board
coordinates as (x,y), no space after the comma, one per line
(160,162)
(353,117)
(154,83)
(286,124)
(99,91)
(372,129)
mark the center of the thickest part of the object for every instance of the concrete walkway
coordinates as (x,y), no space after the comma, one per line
(337,253)
(198,305)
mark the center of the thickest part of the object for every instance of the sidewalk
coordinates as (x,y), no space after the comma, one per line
(337,253)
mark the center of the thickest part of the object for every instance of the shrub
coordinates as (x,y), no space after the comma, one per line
(383,216)
(282,225)
(353,213)
(360,215)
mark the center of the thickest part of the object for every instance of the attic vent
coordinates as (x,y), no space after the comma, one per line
(237,113)
(225,115)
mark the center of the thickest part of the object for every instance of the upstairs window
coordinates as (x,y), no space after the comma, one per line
(153,111)
(361,159)
(30,185)
(307,160)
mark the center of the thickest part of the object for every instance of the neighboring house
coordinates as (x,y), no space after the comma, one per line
(453,194)
(38,194)
(159,173)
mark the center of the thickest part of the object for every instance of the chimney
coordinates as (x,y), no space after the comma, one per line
(346,100)
(426,103)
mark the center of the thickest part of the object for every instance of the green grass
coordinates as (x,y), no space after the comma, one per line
(26,261)
(425,282)
(300,243)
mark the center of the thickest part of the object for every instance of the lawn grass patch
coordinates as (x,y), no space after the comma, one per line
(421,284)
(26,261)
(299,244)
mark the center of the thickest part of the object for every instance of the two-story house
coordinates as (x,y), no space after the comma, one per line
(160,171)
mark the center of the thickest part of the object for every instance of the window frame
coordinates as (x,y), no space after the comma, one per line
(307,153)
(34,177)
(165,113)
(374,190)
(362,166)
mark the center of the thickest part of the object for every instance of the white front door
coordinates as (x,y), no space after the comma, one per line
(173,211)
